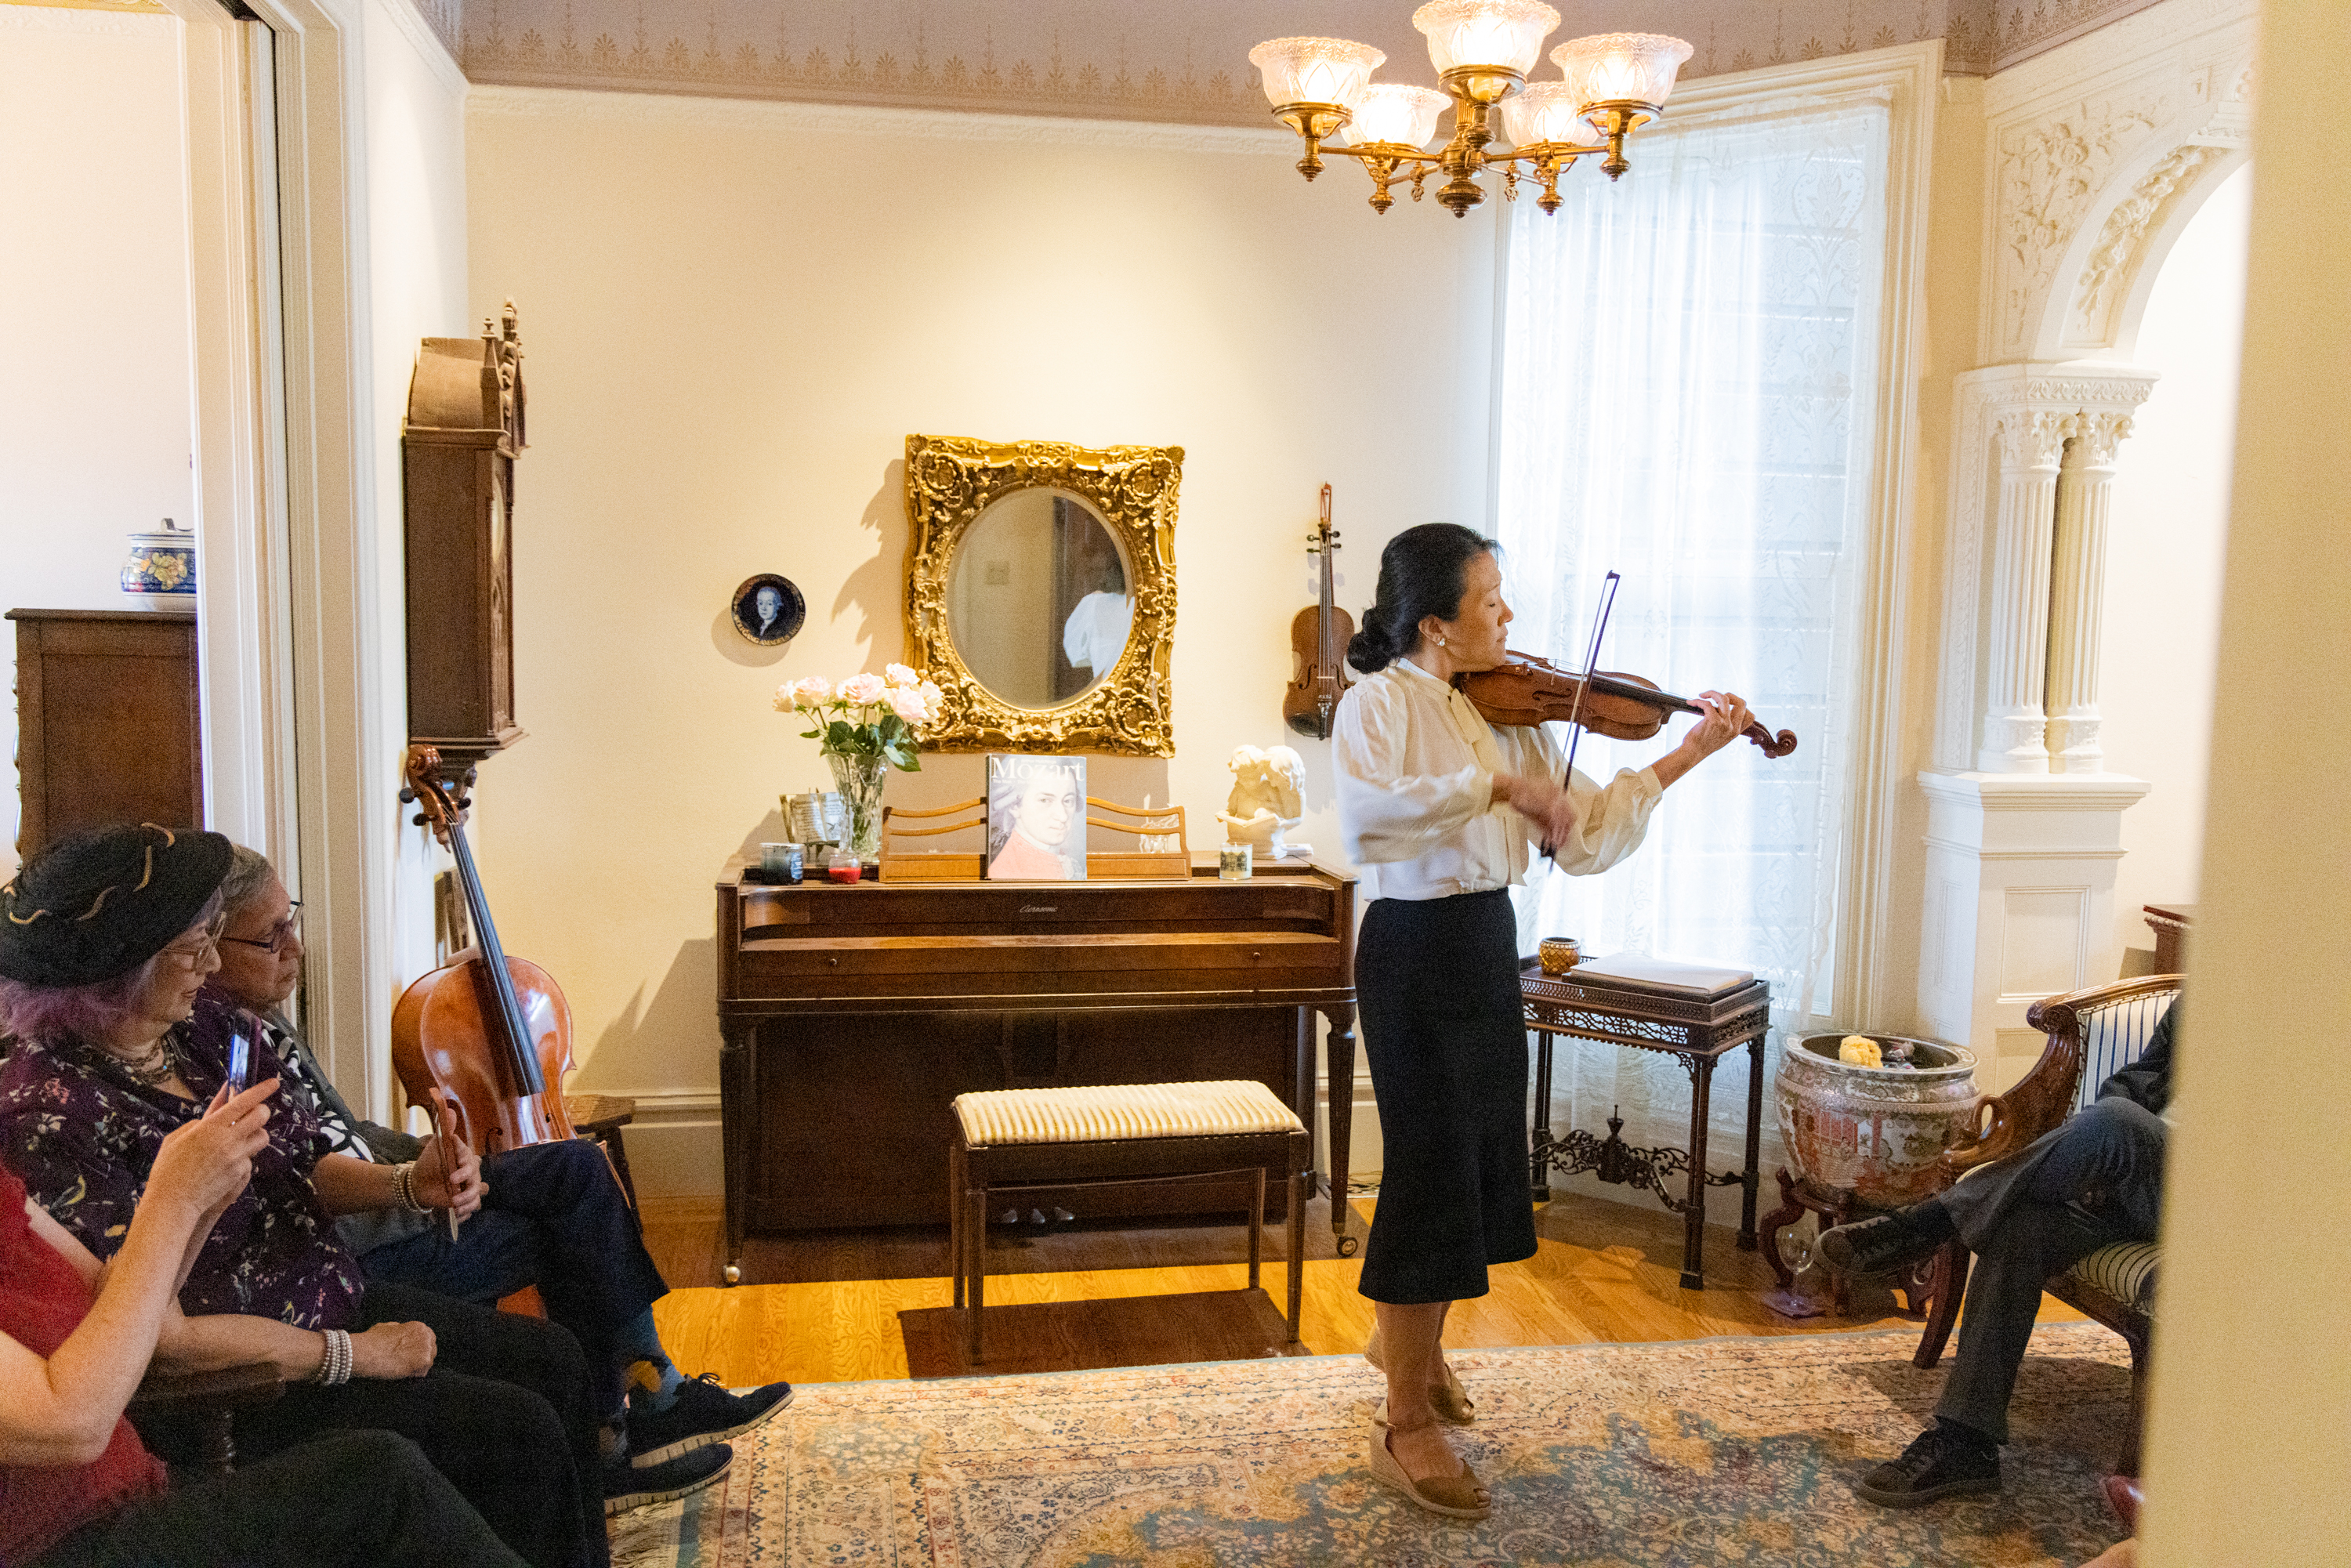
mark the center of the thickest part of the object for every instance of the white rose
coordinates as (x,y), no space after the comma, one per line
(861,689)
(811,693)
(902,677)
(908,705)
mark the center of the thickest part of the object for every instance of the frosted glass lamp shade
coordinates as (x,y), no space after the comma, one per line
(1544,112)
(1490,34)
(1393,113)
(1622,67)
(1315,70)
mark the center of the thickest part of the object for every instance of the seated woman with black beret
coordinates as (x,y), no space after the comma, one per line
(77,1486)
(106,941)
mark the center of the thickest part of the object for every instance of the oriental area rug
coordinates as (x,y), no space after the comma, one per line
(1676,1455)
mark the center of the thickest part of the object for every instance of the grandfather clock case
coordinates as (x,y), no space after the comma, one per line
(464,430)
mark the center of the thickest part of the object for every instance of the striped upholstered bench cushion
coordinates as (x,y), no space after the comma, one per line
(1109,1111)
(2125,1271)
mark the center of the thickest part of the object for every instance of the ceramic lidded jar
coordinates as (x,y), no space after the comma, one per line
(1876,1133)
(162,567)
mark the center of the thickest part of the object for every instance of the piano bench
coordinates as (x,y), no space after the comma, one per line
(1014,1140)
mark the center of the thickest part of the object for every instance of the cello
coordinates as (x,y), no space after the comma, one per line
(485,1040)
(1319,635)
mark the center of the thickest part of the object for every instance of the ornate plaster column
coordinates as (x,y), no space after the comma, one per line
(2077,590)
(2032,443)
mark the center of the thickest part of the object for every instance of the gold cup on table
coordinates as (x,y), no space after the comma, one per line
(1558,955)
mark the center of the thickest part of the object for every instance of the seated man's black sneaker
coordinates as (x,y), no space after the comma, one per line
(1887,1242)
(628,1486)
(1939,1462)
(702,1412)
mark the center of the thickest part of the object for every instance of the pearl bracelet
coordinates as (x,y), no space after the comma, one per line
(335,1366)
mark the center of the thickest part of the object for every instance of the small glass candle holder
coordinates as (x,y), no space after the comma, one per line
(1236,863)
(843,867)
(786,863)
(1558,954)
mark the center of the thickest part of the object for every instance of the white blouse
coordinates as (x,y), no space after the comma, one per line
(1416,786)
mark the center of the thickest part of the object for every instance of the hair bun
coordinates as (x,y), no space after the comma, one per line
(1369,650)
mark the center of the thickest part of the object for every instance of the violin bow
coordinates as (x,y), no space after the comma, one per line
(1590,666)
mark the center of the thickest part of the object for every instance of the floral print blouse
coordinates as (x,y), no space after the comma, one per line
(83,1136)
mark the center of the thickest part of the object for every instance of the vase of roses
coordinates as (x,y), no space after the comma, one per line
(865,725)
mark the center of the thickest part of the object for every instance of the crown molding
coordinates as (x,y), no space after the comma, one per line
(639,108)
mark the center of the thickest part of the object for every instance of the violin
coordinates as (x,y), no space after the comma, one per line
(1526,690)
(486,1040)
(1319,635)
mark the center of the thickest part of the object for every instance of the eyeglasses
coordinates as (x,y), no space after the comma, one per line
(206,946)
(279,935)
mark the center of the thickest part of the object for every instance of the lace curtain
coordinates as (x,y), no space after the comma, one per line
(1686,399)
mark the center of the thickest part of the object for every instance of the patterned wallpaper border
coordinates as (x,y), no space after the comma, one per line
(1191,70)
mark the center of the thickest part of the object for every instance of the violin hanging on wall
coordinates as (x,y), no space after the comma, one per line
(1319,635)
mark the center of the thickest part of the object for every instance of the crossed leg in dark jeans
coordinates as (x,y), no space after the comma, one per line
(554,1218)
(2096,1180)
(343,1500)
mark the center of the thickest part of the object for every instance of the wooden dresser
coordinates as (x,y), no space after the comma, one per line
(107,723)
(852,1016)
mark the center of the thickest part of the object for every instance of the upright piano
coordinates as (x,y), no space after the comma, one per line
(852,1015)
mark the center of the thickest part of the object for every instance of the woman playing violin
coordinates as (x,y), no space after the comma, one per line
(1441,810)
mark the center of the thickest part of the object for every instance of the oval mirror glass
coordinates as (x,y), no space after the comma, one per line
(1039,599)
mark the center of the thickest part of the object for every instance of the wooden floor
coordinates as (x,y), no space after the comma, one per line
(1604,1271)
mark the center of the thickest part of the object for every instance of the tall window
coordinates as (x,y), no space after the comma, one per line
(1686,399)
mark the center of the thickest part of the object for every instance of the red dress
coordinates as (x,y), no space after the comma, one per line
(42,1302)
(1021,861)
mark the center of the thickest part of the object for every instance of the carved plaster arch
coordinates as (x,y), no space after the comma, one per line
(2107,270)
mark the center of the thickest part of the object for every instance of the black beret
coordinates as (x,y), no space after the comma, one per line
(98,905)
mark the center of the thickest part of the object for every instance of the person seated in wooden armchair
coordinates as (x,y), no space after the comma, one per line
(553,1215)
(2094,1180)
(77,1487)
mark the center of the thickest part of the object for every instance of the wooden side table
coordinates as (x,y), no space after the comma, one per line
(601,1117)
(1918,1282)
(1698,1028)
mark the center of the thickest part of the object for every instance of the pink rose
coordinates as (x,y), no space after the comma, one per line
(805,694)
(933,698)
(861,689)
(909,705)
(900,676)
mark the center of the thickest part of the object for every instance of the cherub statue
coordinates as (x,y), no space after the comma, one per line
(1266,802)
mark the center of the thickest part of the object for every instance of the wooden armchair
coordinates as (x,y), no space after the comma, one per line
(204,1404)
(2091,1035)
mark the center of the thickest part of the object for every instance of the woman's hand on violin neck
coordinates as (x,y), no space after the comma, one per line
(449,1176)
(1541,801)
(1725,719)
(390,1351)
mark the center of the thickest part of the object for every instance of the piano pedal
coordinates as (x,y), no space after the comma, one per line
(1009,1217)
(1036,1217)
(1062,1217)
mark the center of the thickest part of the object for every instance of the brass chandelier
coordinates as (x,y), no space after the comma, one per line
(1613,84)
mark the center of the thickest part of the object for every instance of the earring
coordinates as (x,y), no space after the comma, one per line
(1440,642)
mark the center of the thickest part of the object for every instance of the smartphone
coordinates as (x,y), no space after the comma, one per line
(240,1061)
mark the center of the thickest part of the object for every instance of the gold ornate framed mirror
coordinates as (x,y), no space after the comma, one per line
(1041,592)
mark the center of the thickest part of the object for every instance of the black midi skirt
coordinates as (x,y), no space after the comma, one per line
(1438,983)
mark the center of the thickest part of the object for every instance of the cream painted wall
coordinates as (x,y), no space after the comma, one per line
(736,313)
(2170,527)
(94,405)
(414,102)
(2250,1442)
